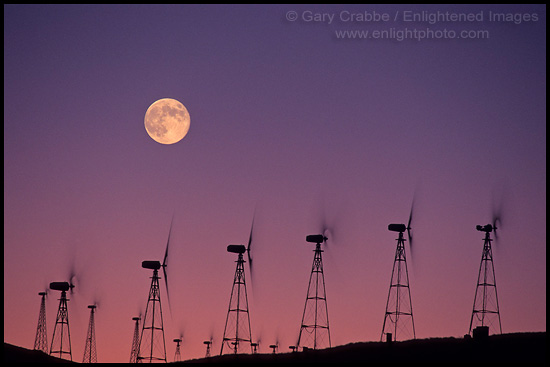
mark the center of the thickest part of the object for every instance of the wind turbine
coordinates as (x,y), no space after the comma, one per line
(314,329)
(61,340)
(152,342)
(486,310)
(237,323)
(398,318)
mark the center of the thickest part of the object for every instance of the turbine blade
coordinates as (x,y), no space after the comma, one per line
(72,277)
(181,329)
(323,219)
(330,221)
(164,263)
(250,238)
(496,225)
(167,291)
(322,222)
(249,246)
(411,214)
(409,235)
(97,301)
(498,200)
(46,288)
(496,220)
(410,242)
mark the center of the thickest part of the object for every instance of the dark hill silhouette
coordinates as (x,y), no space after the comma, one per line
(506,348)
(15,354)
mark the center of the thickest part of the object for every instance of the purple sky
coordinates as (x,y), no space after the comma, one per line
(285,116)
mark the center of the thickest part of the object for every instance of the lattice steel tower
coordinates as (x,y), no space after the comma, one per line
(486,311)
(208,343)
(237,323)
(61,340)
(90,351)
(152,343)
(41,339)
(135,341)
(314,329)
(398,319)
(177,355)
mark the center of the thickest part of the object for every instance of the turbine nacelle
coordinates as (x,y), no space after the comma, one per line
(316,238)
(397,227)
(60,286)
(488,228)
(150,264)
(236,249)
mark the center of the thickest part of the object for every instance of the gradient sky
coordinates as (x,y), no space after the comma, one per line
(286,119)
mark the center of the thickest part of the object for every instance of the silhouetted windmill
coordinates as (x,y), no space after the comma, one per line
(274,347)
(398,318)
(135,341)
(90,351)
(314,329)
(294,347)
(237,323)
(486,311)
(61,340)
(254,347)
(41,339)
(208,343)
(177,355)
(152,343)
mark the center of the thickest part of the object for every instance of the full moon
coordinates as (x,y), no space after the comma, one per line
(167,121)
